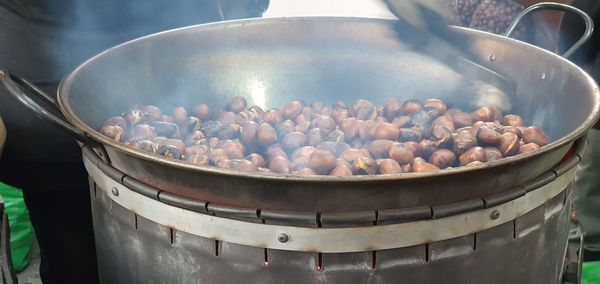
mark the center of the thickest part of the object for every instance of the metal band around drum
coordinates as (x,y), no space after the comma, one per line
(326,240)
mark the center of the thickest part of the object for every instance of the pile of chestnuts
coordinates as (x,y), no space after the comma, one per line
(339,140)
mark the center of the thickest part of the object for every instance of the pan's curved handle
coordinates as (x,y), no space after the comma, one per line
(589,22)
(16,86)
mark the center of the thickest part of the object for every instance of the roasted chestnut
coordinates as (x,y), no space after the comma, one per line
(363,110)
(292,109)
(512,120)
(151,114)
(392,108)
(386,131)
(179,115)
(400,153)
(411,106)
(200,159)
(236,105)
(471,155)
(419,165)
(113,132)
(202,112)
(266,134)
(380,148)
(535,135)
(509,144)
(388,166)
(437,104)
(442,158)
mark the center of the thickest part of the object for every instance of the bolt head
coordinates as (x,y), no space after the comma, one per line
(115,191)
(283,238)
(495,215)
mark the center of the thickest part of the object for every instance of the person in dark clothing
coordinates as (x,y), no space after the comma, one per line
(43,41)
(587,184)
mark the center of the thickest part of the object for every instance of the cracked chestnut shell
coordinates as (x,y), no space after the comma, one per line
(438,104)
(113,132)
(464,141)
(486,135)
(443,158)
(509,144)
(364,166)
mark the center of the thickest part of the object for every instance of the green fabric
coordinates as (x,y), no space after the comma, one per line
(591,273)
(21,231)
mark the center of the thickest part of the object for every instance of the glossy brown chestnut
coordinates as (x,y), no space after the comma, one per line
(179,115)
(293,141)
(363,110)
(471,155)
(200,159)
(464,141)
(279,164)
(388,166)
(392,108)
(133,117)
(437,104)
(509,144)
(535,135)
(443,158)
(266,134)
(400,153)
(151,114)
(322,162)
(486,135)
(512,120)
(113,132)
(528,148)
(492,154)
(257,159)
(292,109)
(380,148)
(485,113)
(237,104)
(419,165)
(411,106)
(384,130)
(272,117)
(203,112)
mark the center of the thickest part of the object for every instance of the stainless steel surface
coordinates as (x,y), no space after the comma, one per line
(271,61)
(330,240)
(589,22)
(425,26)
(133,249)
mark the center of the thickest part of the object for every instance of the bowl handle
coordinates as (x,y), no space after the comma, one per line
(589,23)
(22,89)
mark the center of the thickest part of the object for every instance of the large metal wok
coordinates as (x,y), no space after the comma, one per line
(271,61)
